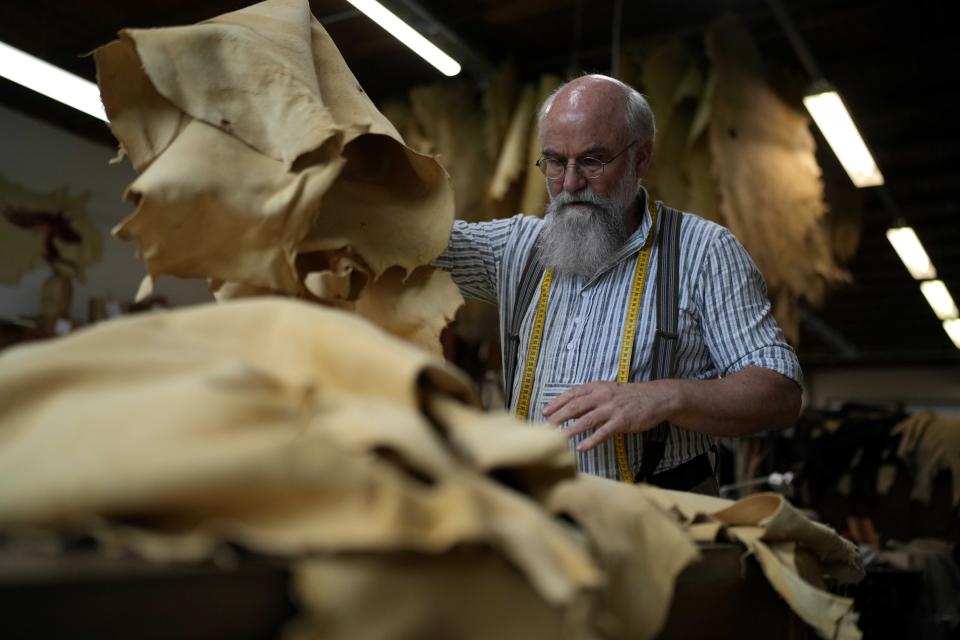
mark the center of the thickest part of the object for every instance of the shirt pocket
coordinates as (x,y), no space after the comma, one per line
(548,394)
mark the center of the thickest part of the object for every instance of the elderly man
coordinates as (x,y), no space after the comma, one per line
(593,327)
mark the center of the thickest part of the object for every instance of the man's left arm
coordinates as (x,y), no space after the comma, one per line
(760,385)
(750,400)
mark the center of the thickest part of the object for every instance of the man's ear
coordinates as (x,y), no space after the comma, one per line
(644,156)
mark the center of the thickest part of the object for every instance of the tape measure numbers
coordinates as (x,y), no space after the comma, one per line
(533,349)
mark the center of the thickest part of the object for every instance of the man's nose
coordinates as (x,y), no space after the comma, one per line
(572,180)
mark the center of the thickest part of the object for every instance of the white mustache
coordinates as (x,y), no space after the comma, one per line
(586,196)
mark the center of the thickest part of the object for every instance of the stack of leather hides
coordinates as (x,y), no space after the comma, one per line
(311,435)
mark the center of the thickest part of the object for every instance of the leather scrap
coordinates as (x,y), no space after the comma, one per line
(255,146)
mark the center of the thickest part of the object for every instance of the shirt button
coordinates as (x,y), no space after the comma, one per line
(570,345)
(577,320)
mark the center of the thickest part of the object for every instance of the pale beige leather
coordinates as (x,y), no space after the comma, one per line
(263,163)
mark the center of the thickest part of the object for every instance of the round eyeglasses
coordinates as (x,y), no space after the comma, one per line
(589,167)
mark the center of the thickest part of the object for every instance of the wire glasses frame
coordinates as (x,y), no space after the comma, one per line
(589,167)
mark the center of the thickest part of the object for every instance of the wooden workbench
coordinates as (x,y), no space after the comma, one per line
(83,595)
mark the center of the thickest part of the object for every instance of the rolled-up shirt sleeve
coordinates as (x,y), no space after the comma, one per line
(738,327)
(474,255)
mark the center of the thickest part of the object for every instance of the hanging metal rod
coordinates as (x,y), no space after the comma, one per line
(793,34)
(615,36)
(339,16)
(574,68)
(815,324)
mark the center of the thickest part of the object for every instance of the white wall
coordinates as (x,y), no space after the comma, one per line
(42,158)
(935,388)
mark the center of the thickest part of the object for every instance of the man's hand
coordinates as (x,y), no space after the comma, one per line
(610,408)
(748,401)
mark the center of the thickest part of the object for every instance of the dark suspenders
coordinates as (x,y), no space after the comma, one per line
(665,339)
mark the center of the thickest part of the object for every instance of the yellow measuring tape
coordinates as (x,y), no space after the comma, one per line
(533,349)
(626,343)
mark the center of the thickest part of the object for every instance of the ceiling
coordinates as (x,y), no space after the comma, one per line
(888,59)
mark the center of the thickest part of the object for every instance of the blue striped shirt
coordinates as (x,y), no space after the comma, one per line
(724,324)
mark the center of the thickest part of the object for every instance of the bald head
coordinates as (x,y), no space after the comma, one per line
(605,98)
(588,99)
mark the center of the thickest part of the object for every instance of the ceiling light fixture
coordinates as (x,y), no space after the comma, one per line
(828,111)
(907,245)
(952,327)
(408,36)
(939,299)
(53,82)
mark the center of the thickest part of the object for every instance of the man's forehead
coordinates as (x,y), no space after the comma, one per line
(587,112)
(577,132)
(581,138)
(591,149)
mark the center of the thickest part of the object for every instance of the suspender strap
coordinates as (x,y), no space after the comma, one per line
(666,337)
(529,279)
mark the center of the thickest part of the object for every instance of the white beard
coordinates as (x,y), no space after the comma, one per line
(579,239)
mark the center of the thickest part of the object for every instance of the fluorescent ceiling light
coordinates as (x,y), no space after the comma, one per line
(408,36)
(952,327)
(831,116)
(51,81)
(939,298)
(907,245)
